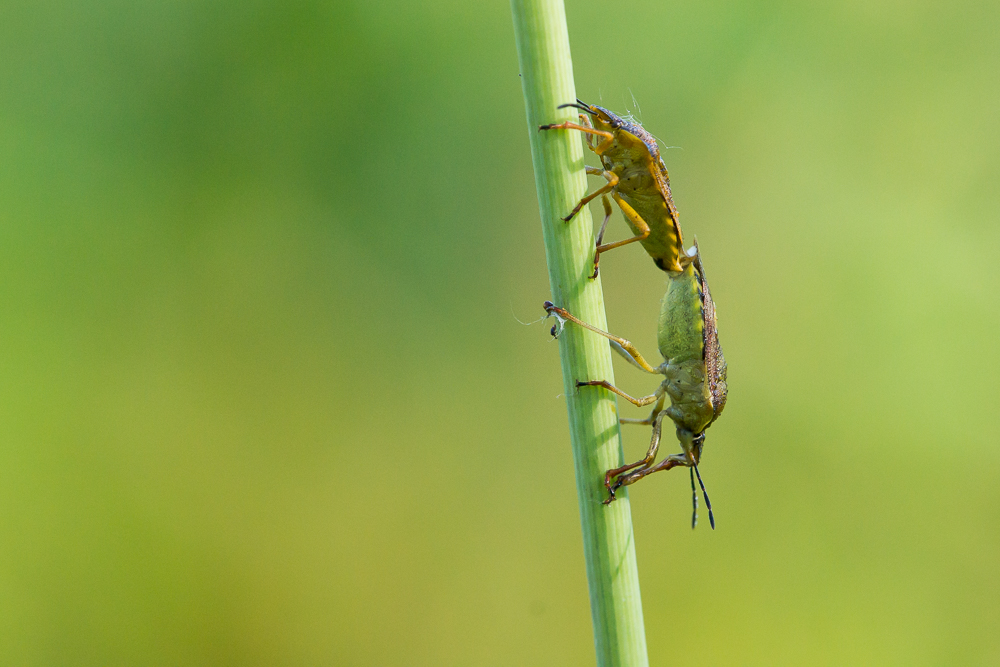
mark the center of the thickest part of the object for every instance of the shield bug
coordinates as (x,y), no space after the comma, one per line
(636,179)
(694,371)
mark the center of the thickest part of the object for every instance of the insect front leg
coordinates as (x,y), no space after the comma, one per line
(605,144)
(607,136)
(585,121)
(654,445)
(633,477)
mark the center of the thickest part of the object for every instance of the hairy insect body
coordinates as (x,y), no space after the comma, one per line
(636,179)
(643,186)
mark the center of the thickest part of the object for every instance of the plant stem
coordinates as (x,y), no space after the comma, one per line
(609,550)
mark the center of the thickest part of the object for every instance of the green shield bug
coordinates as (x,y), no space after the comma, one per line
(694,371)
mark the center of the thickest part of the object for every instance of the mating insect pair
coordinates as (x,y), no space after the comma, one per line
(694,366)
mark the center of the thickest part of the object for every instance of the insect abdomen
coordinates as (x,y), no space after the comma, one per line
(681,332)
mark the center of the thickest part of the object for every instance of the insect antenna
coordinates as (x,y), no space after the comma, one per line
(708,503)
(577,105)
(694,501)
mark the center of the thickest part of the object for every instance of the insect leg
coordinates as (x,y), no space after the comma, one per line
(608,137)
(612,179)
(552,309)
(600,235)
(627,356)
(585,121)
(652,415)
(636,221)
(640,402)
(605,143)
(633,477)
(654,444)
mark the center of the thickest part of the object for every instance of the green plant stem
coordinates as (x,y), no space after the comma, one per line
(612,574)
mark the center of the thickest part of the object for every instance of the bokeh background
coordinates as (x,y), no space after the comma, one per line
(273,389)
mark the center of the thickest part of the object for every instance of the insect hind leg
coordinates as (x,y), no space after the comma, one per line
(636,358)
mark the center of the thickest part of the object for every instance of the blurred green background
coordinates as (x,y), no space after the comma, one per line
(266,396)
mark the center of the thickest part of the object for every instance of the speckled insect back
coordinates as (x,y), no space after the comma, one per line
(637,180)
(694,371)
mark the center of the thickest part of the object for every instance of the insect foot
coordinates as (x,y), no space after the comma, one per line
(611,496)
(554,311)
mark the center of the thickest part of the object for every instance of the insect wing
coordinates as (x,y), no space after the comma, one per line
(715,361)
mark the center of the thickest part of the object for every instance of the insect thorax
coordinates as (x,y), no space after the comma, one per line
(690,398)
